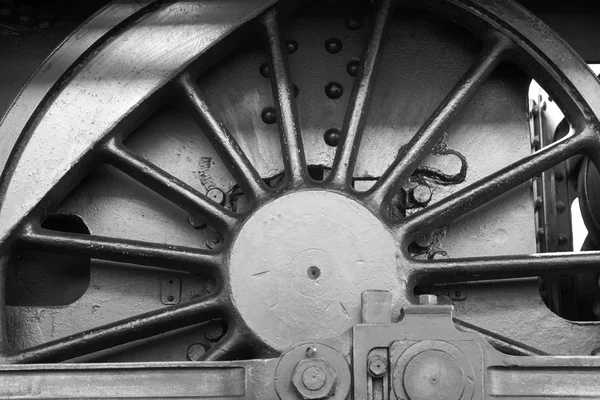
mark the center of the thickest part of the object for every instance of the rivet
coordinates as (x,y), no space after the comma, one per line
(560,206)
(332,137)
(353,24)
(559,176)
(333,45)
(195,352)
(214,330)
(269,116)
(292,46)
(334,90)
(352,68)
(562,240)
(265,70)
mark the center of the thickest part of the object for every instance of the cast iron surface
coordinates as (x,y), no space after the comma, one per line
(290,250)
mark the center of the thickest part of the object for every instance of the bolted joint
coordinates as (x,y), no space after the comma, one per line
(314,379)
(428,299)
(377,366)
(420,195)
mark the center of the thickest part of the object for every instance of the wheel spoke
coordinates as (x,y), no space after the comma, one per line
(121,250)
(294,160)
(485,190)
(504,267)
(222,141)
(168,186)
(121,332)
(227,348)
(421,144)
(356,114)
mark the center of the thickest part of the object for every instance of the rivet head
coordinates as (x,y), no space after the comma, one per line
(292,46)
(332,137)
(214,330)
(269,116)
(195,352)
(353,24)
(352,68)
(333,45)
(265,70)
(334,90)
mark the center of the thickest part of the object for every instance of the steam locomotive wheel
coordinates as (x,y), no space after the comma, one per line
(299,207)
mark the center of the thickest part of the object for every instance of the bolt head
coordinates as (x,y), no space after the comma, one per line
(196,351)
(427,299)
(377,366)
(314,379)
(216,195)
(421,194)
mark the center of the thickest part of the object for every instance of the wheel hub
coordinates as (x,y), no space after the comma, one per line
(301,262)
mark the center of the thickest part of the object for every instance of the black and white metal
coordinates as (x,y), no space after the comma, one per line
(421,144)
(504,267)
(356,114)
(487,189)
(121,332)
(222,140)
(168,186)
(122,250)
(292,149)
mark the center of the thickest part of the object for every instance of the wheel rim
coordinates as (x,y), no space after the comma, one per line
(507,34)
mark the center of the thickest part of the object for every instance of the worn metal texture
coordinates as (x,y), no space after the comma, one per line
(282,253)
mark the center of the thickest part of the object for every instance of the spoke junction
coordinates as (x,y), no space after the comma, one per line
(485,190)
(356,114)
(168,186)
(292,149)
(421,144)
(223,141)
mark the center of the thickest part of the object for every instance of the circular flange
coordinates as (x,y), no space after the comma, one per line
(340,370)
(301,262)
(433,369)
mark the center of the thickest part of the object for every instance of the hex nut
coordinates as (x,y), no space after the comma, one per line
(308,376)
(428,299)
(377,366)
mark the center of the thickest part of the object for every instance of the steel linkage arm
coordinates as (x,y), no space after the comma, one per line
(424,356)
(222,380)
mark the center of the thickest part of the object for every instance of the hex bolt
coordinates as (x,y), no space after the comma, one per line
(427,299)
(195,351)
(377,366)
(420,194)
(214,330)
(314,378)
(216,195)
